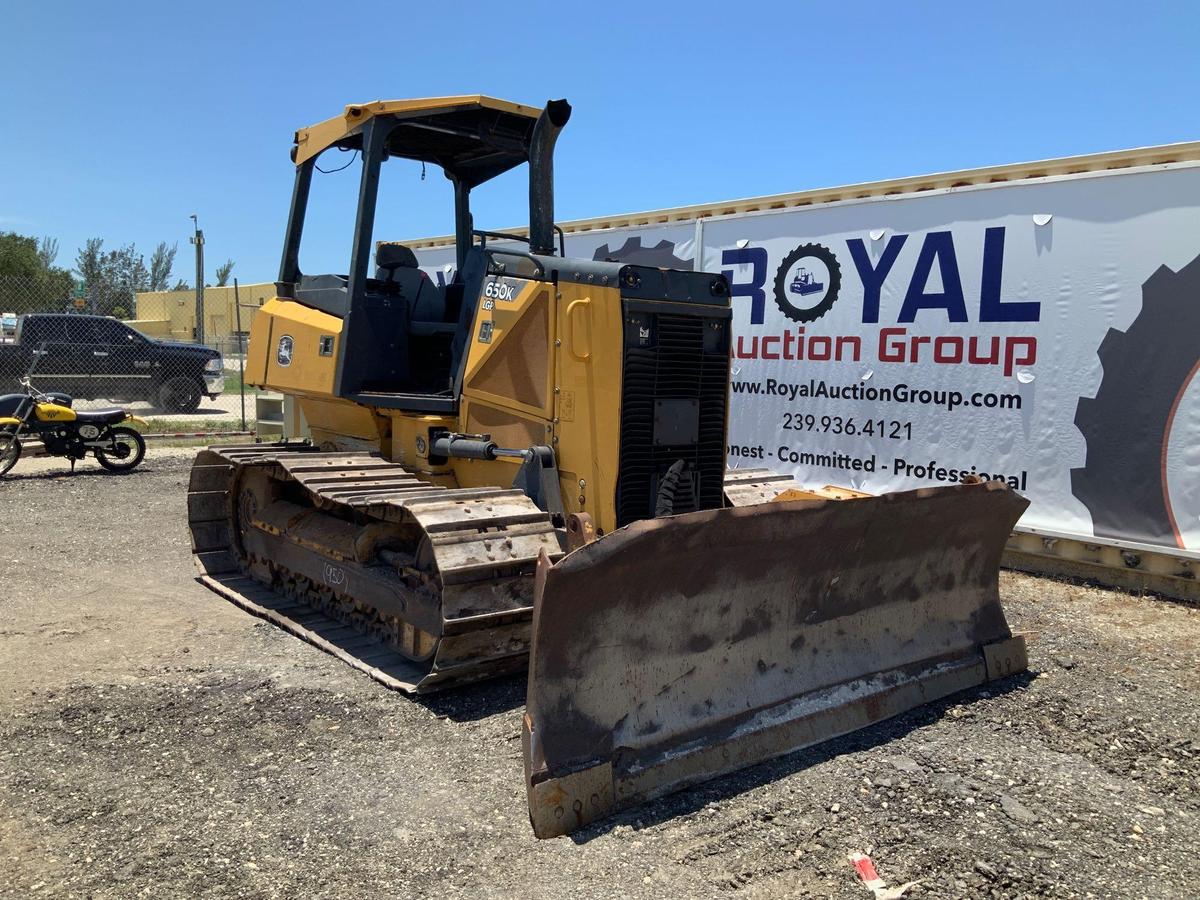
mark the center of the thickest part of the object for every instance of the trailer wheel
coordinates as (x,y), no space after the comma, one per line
(180,394)
(1127,424)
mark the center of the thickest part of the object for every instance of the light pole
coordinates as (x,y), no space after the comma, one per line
(198,240)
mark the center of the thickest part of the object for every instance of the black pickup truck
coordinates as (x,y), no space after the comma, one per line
(95,357)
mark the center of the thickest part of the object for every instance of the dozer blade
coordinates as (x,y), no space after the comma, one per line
(677,649)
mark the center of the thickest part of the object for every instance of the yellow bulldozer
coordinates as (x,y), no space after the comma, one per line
(524,469)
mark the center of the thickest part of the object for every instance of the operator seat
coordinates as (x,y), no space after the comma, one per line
(398,266)
(428,327)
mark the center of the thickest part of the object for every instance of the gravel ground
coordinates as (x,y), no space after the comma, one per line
(155,741)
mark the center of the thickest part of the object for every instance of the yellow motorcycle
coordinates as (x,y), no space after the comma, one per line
(67,432)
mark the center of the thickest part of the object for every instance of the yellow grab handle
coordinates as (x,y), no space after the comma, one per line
(571,334)
(136,419)
(9,420)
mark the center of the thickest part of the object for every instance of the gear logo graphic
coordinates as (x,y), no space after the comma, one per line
(1147,369)
(807,283)
(661,255)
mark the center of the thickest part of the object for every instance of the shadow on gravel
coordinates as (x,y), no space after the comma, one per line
(65,472)
(476,701)
(692,800)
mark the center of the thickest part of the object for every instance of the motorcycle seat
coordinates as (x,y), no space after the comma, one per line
(100,416)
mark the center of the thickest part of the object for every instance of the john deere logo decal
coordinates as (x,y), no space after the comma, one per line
(283,353)
(807,283)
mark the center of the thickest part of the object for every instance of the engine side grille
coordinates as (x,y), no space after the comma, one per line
(673,399)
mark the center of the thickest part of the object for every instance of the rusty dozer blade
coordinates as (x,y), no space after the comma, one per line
(677,649)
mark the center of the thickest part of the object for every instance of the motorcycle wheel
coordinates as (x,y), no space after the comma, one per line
(10,452)
(130,449)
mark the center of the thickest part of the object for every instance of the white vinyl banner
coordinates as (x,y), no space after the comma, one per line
(1046,333)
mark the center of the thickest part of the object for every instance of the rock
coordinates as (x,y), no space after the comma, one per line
(986,870)
(1153,810)
(906,765)
(1065,661)
(1016,811)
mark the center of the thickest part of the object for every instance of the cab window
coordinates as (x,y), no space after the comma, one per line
(39,329)
(79,330)
(109,331)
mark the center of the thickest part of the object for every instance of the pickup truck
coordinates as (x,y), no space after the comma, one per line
(97,357)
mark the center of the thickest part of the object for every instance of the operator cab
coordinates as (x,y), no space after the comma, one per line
(404,337)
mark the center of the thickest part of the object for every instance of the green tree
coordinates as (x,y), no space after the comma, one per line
(223,272)
(27,282)
(48,252)
(19,255)
(111,279)
(89,261)
(161,263)
(181,285)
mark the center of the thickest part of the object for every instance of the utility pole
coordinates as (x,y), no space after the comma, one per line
(198,240)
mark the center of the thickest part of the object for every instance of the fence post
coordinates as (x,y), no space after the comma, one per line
(237,314)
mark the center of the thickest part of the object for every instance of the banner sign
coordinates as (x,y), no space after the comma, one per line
(1045,333)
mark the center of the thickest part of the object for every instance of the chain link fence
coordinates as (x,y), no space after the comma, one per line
(85,342)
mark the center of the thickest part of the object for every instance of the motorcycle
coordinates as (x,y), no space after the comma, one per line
(67,432)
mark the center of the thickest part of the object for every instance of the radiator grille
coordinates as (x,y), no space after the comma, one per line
(672,357)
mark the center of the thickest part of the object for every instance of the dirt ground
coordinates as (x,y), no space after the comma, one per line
(155,741)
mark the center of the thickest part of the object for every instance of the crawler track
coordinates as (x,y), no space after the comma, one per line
(419,585)
(422,587)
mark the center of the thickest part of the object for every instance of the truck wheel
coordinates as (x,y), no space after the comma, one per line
(180,395)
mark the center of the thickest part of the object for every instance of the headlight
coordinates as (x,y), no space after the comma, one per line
(216,364)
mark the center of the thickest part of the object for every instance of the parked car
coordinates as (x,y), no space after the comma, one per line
(97,357)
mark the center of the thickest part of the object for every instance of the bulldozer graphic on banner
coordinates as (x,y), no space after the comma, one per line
(804,283)
(524,470)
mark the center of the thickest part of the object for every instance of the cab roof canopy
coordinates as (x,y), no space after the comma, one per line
(473,137)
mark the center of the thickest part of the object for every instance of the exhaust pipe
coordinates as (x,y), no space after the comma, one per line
(541,175)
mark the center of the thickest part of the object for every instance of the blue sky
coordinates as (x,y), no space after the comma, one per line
(122,119)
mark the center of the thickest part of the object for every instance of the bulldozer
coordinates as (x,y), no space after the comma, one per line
(523,468)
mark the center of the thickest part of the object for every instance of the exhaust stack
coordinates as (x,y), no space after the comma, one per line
(541,175)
